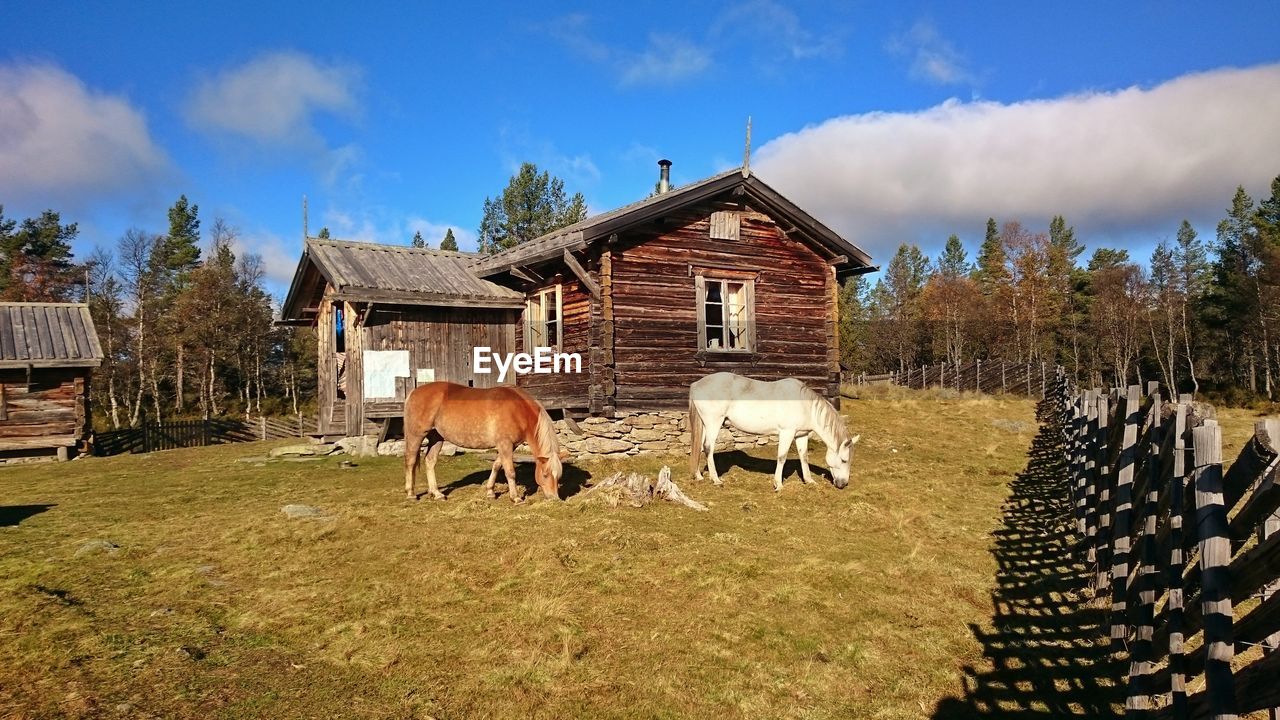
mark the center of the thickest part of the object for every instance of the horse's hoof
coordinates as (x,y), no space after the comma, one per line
(491,495)
(439,496)
(717,483)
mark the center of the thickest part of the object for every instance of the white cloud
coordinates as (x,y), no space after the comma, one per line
(274,98)
(1131,161)
(433,232)
(933,58)
(767,24)
(667,59)
(374,226)
(62,142)
(279,256)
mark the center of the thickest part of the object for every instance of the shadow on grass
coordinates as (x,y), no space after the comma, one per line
(730,459)
(572,481)
(1048,647)
(11,515)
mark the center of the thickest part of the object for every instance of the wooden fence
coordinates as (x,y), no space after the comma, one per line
(1187,557)
(990,376)
(197,433)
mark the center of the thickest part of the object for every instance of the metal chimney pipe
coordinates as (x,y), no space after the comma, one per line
(664,176)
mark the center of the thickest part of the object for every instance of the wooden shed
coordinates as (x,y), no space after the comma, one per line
(722,274)
(47,354)
(389,317)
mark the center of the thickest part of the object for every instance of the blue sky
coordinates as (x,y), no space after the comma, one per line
(892,123)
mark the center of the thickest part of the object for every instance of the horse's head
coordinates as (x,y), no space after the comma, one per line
(839,459)
(547,472)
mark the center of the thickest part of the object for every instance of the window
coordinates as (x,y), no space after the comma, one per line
(542,320)
(726,315)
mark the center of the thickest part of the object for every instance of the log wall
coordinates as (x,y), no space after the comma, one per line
(52,411)
(564,390)
(650,317)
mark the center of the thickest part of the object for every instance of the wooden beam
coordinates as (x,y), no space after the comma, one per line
(523,275)
(581,272)
(838,260)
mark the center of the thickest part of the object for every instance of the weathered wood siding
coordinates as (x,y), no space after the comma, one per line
(565,390)
(53,411)
(653,308)
(439,338)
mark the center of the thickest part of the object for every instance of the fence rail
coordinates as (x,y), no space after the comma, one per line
(197,433)
(1187,556)
(991,376)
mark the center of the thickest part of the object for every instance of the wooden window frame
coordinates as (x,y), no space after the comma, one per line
(4,403)
(529,321)
(747,280)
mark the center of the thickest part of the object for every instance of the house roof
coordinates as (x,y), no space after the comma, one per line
(47,335)
(397,274)
(738,180)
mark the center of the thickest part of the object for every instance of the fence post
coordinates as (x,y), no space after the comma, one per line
(1147,577)
(977,378)
(1215,556)
(1099,554)
(1096,492)
(1174,609)
(1004,387)
(1121,520)
(942,374)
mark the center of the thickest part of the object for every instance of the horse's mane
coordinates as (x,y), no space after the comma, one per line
(548,445)
(832,424)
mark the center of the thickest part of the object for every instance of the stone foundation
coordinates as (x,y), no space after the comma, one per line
(637,433)
(642,433)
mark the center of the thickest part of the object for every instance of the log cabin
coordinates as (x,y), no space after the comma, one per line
(47,355)
(724,274)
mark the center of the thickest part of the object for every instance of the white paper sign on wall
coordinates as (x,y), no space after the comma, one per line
(426,375)
(381,368)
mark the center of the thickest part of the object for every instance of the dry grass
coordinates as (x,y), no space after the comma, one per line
(809,604)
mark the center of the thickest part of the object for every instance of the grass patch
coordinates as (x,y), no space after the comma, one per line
(811,603)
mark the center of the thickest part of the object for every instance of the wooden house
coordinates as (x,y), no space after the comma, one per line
(47,354)
(389,317)
(722,274)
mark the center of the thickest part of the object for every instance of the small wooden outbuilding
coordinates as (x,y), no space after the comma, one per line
(388,318)
(47,354)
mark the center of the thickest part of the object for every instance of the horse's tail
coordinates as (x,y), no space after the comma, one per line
(548,445)
(695,437)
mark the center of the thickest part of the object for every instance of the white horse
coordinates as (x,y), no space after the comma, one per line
(785,407)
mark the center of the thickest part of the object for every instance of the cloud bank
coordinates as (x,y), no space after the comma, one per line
(1129,161)
(62,143)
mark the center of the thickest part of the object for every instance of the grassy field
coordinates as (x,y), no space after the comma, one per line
(813,603)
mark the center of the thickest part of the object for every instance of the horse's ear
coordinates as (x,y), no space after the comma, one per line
(854,440)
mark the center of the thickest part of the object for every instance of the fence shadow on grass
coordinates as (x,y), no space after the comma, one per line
(1048,646)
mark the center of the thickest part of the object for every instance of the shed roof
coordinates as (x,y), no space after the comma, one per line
(738,180)
(367,272)
(47,335)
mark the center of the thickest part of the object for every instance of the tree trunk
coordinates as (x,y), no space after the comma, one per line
(177,400)
(1191,361)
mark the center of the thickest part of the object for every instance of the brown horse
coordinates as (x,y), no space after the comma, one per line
(499,417)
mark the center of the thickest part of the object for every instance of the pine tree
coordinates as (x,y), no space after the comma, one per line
(36,260)
(449,243)
(531,205)
(991,269)
(418,242)
(953,262)
(179,253)
(323,234)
